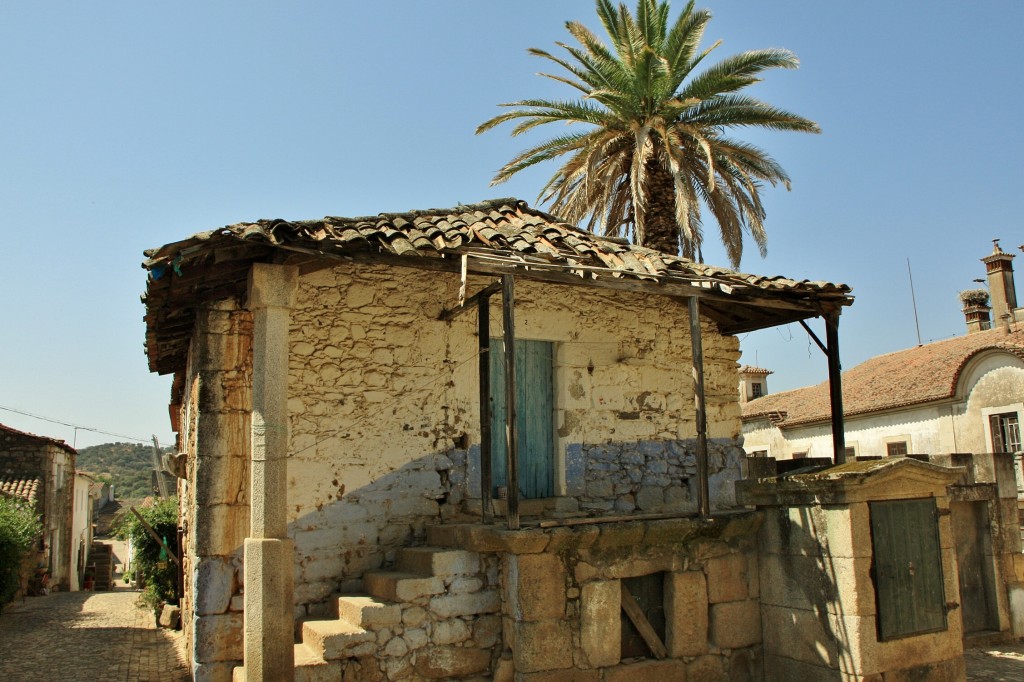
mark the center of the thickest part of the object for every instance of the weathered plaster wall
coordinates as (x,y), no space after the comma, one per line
(383,403)
(994,384)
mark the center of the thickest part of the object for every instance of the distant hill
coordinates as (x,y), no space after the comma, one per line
(129,466)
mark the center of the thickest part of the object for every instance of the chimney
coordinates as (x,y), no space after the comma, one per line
(753,382)
(976,309)
(978,319)
(999,269)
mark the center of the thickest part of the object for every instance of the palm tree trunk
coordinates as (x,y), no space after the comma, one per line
(661,232)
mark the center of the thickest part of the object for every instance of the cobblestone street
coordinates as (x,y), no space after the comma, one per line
(996,663)
(104,637)
(87,637)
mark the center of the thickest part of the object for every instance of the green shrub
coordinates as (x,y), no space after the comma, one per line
(20,526)
(158,571)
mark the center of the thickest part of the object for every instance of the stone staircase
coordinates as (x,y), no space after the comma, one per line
(101,561)
(435,616)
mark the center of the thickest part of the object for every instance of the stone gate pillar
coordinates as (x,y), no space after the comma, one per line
(858,572)
(269,579)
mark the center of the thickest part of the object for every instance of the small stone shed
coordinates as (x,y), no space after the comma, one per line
(42,471)
(350,414)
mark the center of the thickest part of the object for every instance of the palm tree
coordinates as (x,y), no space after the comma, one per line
(655,149)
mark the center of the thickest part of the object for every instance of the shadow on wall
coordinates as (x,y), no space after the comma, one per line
(801,607)
(362,529)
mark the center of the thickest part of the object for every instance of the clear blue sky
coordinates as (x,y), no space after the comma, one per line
(127,125)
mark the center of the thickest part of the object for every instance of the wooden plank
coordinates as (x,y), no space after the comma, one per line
(449,314)
(835,387)
(535,415)
(700,404)
(641,623)
(484,365)
(153,534)
(508,303)
(804,302)
(591,520)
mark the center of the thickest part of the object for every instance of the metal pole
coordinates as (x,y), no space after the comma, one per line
(484,338)
(835,387)
(511,436)
(697,352)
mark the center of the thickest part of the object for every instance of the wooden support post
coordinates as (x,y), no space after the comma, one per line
(835,387)
(484,337)
(511,436)
(700,403)
(153,534)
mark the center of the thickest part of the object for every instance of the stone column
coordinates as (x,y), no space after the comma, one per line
(269,579)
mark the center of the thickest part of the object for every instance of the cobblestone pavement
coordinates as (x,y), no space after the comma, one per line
(996,663)
(87,637)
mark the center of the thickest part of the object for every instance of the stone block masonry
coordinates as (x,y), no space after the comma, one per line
(562,605)
(436,616)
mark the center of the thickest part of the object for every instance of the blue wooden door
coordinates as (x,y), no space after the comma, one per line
(535,411)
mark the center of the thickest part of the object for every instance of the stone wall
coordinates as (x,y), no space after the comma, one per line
(562,597)
(384,417)
(441,621)
(26,456)
(819,602)
(213,497)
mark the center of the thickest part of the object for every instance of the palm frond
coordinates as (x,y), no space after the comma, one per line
(655,156)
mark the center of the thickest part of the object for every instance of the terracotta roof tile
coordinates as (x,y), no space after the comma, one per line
(509,229)
(44,439)
(901,379)
(25,488)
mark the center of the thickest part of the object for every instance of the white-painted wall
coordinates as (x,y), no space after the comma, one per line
(991,383)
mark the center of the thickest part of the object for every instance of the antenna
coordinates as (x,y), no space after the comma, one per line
(913,300)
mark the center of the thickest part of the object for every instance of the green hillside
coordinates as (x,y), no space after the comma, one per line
(129,466)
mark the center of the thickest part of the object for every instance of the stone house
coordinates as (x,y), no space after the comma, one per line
(349,416)
(42,470)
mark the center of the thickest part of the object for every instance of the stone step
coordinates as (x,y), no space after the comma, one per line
(398,586)
(332,640)
(438,561)
(310,667)
(368,612)
(443,536)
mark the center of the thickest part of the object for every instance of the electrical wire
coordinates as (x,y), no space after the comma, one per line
(77,427)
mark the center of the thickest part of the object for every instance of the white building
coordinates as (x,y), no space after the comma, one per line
(964,394)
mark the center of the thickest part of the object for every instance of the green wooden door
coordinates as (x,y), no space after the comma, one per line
(535,411)
(907,567)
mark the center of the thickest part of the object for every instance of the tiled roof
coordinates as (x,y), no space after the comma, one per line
(25,488)
(43,439)
(497,236)
(750,369)
(901,379)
